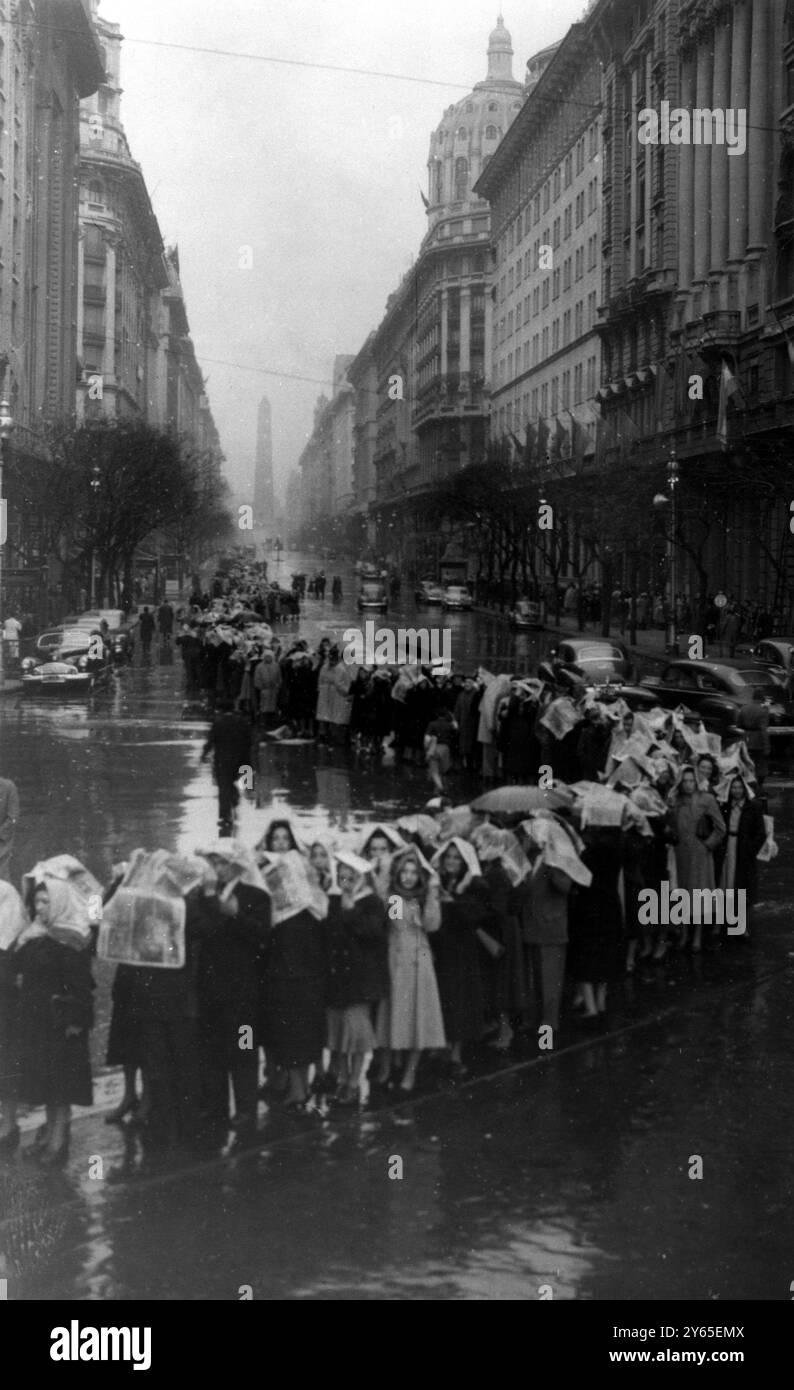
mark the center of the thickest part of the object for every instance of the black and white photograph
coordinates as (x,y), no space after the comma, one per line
(397,660)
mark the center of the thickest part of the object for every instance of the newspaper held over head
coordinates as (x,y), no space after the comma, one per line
(560,717)
(144,922)
(292,889)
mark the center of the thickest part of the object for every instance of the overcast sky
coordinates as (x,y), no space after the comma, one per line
(318,172)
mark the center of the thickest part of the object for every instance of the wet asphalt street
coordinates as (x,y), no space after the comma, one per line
(567,1172)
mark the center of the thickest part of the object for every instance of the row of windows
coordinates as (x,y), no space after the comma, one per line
(552,190)
(567,327)
(584,311)
(537,260)
(560,393)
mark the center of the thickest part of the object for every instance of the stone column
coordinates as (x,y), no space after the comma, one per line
(686,174)
(758,137)
(80,305)
(465,335)
(109,360)
(444,366)
(719,153)
(737,164)
(702,190)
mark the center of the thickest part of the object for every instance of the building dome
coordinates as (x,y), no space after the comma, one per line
(470,131)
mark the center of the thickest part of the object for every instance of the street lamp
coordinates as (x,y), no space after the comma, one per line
(96,483)
(6,429)
(659,501)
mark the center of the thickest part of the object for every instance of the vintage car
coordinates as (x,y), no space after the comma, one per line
(82,647)
(525,615)
(429,594)
(372,596)
(119,630)
(580,662)
(61,678)
(457,599)
(776,653)
(714,690)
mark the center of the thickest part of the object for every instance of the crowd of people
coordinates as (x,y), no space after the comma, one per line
(448,931)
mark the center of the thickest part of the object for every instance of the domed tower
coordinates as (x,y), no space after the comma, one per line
(469,131)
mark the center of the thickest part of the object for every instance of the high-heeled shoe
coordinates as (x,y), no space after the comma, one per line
(10,1142)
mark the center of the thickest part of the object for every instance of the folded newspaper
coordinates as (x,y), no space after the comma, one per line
(144,922)
(291,888)
(560,717)
(13,918)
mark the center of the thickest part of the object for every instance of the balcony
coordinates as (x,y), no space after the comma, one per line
(94,294)
(723,326)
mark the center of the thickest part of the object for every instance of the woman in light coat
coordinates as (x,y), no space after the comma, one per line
(410,1020)
(699,828)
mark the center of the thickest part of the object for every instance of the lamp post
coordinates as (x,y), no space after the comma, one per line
(95,486)
(6,428)
(662,500)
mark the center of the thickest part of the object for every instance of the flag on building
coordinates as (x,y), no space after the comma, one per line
(579,440)
(531,446)
(559,441)
(543,440)
(424,200)
(728,387)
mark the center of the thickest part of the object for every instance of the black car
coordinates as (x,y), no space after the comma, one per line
(579,662)
(80,647)
(714,690)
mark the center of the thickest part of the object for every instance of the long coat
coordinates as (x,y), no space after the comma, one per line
(411,1018)
(55,994)
(694,858)
(267,681)
(750,836)
(596,953)
(325,694)
(456,956)
(295,991)
(358,952)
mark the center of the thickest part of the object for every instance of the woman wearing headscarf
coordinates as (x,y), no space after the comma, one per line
(341,701)
(56,1014)
(295,964)
(326,693)
(554,856)
(737,855)
(379,846)
(504,865)
(267,685)
(357,971)
(410,1020)
(455,947)
(699,829)
(596,954)
(230,981)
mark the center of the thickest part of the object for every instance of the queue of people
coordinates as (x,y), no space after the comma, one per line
(427,940)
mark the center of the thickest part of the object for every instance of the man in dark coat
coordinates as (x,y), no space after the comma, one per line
(165,620)
(229,742)
(146,628)
(230,984)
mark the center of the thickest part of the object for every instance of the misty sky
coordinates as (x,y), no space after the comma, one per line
(317,172)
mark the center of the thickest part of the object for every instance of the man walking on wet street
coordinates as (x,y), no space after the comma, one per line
(230,744)
(165,620)
(146,629)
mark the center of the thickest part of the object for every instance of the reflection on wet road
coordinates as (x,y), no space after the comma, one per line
(567,1172)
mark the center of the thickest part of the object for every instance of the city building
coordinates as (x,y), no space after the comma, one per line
(431,351)
(49,60)
(121,267)
(327,460)
(697,299)
(544,187)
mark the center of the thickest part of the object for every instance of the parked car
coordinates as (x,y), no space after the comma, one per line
(715,690)
(526,614)
(59,678)
(456,599)
(579,662)
(428,594)
(75,646)
(120,638)
(372,595)
(777,653)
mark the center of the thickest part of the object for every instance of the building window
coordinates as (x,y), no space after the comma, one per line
(461,179)
(568,168)
(557,184)
(491,133)
(462,132)
(96,196)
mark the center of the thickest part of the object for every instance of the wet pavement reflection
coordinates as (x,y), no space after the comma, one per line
(566,1172)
